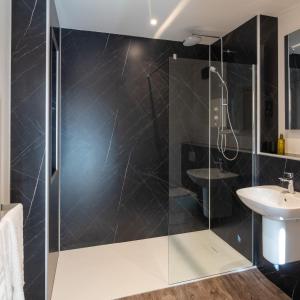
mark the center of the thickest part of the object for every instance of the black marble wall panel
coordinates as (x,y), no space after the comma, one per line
(287,276)
(239,54)
(239,46)
(115,136)
(236,227)
(269,83)
(230,219)
(186,211)
(188,121)
(27,134)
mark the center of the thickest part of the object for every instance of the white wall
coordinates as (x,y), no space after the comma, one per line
(5,46)
(288,22)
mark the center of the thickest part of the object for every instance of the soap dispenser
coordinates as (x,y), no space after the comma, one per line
(281,145)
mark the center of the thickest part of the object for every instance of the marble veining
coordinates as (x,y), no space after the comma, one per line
(115,136)
(35,189)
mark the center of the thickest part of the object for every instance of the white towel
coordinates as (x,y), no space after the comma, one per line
(11,254)
(5,276)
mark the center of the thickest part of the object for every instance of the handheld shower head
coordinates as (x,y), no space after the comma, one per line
(213,69)
(221,133)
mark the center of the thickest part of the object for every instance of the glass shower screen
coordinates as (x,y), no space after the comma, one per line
(210,230)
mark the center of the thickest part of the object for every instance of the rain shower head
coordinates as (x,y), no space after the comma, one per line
(192,40)
(204,39)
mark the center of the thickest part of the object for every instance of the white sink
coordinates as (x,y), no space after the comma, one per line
(280,212)
(271,201)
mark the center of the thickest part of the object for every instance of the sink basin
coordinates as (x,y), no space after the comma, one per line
(280,212)
(201,176)
(271,201)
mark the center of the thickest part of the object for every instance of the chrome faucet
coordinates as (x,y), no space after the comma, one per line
(288,177)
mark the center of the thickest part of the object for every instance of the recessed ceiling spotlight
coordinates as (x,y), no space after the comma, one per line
(153,22)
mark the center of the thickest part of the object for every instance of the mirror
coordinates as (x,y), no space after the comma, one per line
(292,81)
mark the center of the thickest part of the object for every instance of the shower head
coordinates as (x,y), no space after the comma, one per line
(192,40)
(213,69)
(196,38)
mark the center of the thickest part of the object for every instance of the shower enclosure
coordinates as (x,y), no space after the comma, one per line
(210,230)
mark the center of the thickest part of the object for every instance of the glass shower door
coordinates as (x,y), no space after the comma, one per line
(210,231)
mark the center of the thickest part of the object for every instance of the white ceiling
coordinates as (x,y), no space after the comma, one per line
(176,18)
